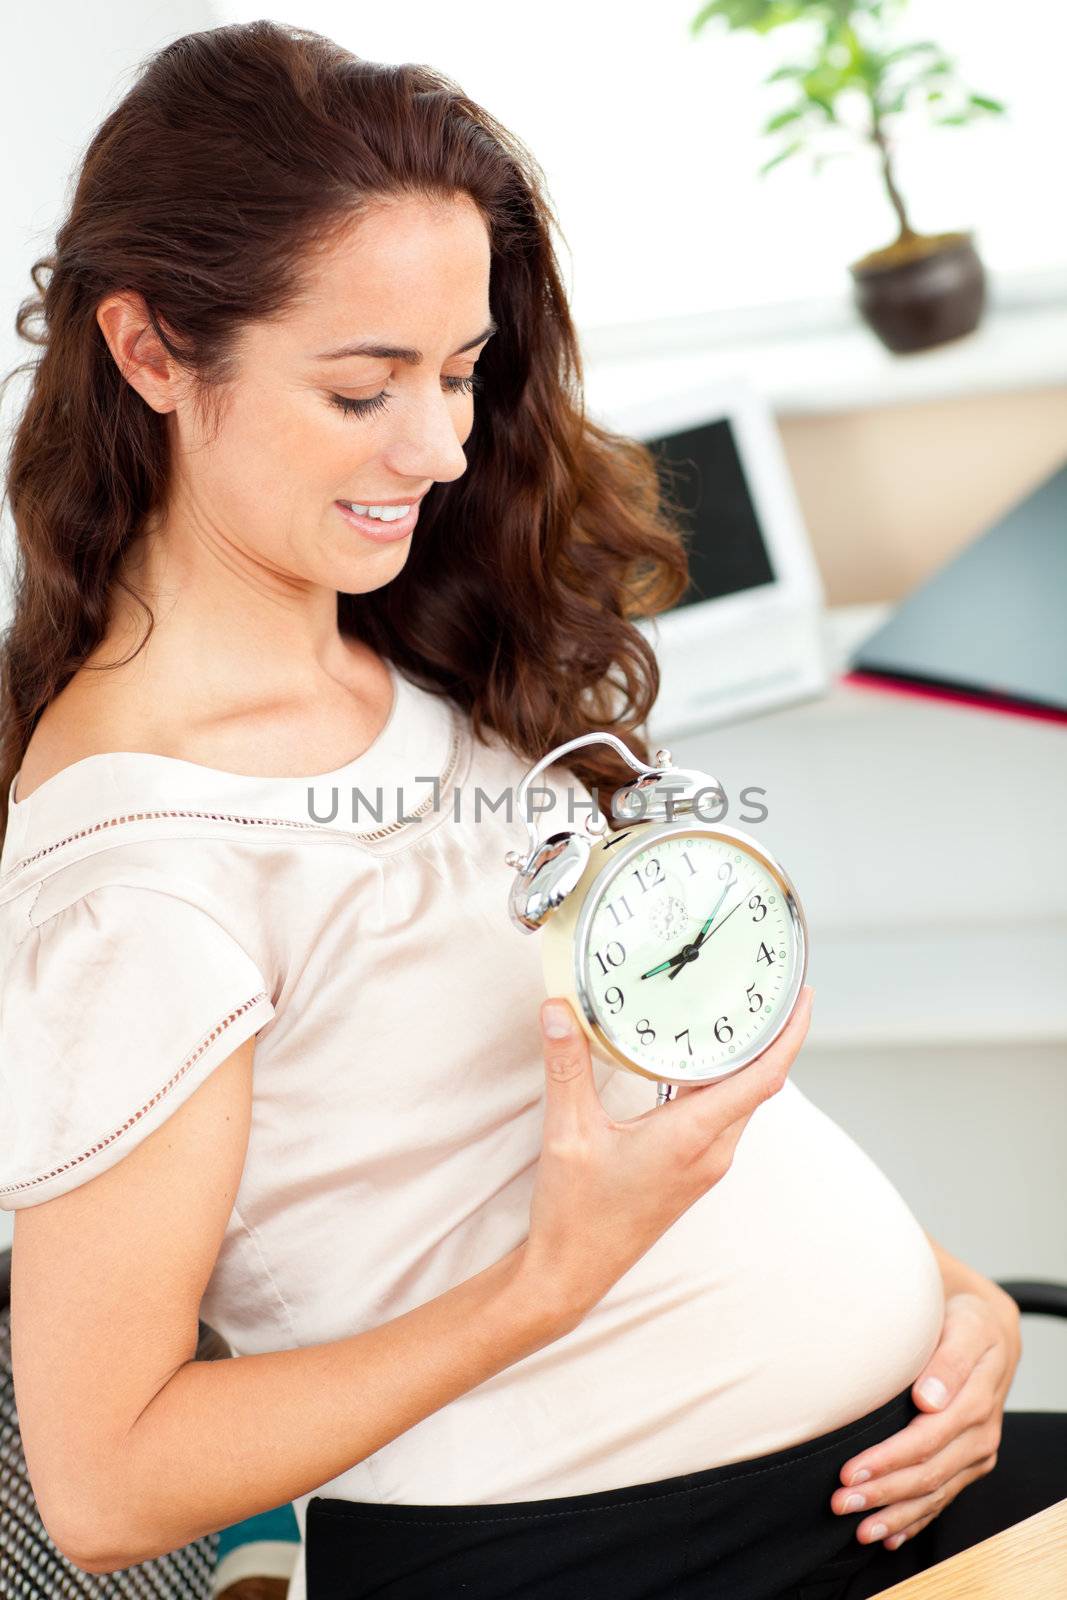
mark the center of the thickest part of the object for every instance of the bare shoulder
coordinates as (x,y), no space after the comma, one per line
(317,727)
(86,718)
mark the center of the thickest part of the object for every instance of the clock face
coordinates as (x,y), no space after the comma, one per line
(693,954)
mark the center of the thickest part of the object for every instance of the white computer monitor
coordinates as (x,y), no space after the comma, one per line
(748,635)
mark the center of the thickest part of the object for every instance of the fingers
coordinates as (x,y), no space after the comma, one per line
(900,1516)
(571,1095)
(566,1049)
(718,1106)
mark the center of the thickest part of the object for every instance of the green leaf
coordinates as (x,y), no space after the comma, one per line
(782,119)
(782,155)
(824,104)
(984,103)
(905,50)
(735,14)
(704,16)
(778,13)
(761,16)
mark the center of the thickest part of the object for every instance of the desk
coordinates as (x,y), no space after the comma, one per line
(1026,1562)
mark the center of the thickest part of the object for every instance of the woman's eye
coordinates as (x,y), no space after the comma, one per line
(363,408)
(359,408)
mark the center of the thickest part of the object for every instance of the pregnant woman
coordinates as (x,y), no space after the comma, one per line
(303,485)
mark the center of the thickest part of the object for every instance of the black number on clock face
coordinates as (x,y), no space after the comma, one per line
(620,909)
(613,955)
(702,999)
(649,875)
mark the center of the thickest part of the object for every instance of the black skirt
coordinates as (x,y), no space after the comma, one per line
(759,1529)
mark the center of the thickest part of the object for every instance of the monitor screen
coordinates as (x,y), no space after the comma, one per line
(701,471)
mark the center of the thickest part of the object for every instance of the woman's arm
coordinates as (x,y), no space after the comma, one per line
(134,1448)
(225,1439)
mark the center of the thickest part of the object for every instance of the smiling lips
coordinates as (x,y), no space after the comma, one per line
(392,522)
(387,512)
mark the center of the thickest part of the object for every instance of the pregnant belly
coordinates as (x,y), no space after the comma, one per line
(798,1294)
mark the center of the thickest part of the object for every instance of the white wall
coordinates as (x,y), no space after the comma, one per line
(650,145)
(62,67)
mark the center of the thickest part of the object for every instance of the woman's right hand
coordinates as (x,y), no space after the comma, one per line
(606,1190)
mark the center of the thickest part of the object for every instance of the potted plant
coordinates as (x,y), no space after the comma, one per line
(853,81)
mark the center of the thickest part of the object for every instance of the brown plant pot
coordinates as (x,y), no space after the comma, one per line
(922,291)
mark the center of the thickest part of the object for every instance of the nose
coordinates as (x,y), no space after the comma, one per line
(426,443)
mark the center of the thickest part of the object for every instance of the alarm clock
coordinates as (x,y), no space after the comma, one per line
(680,942)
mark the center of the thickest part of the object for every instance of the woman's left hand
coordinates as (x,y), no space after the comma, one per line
(916,1473)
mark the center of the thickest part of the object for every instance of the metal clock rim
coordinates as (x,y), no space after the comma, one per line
(651,832)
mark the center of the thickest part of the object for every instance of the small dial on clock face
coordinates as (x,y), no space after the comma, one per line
(691,955)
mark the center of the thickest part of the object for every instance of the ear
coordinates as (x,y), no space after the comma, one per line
(138,352)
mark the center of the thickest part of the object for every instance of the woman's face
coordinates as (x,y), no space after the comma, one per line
(309,426)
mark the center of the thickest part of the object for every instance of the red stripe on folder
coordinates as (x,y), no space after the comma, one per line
(986,702)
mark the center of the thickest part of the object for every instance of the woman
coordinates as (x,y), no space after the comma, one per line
(500,1326)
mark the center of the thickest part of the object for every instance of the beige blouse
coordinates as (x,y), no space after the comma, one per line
(155,912)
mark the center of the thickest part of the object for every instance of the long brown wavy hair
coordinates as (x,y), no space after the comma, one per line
(235,148)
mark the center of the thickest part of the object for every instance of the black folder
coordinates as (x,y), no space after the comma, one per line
(991,624)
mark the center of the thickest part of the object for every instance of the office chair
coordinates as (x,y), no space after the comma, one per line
(36,1566)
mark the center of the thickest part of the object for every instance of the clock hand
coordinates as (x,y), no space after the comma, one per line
(671,961)
(699,944)
(703,934)
(727,917)
(699,940)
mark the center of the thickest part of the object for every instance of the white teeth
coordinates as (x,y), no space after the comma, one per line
(383,513)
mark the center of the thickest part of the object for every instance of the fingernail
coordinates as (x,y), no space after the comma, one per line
(862,1476)
(933,1391)
(877,1531)
(855,1502)
(556,1019)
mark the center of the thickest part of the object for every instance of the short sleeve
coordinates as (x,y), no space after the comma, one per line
(112,1011)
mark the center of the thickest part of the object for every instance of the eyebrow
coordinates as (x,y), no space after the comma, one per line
(389,352)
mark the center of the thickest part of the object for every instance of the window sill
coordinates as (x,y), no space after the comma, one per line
(816,359)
